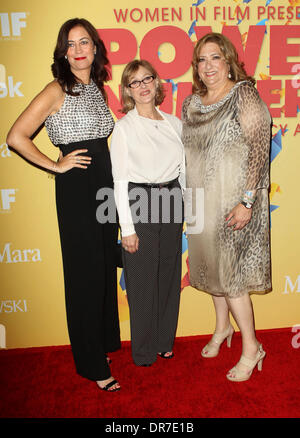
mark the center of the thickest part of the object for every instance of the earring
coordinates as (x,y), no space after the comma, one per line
(66,57)
(229,75)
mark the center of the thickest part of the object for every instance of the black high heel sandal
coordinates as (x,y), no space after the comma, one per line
(109,385)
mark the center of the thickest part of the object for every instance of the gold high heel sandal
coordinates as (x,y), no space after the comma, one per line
(212,348)
(236,375)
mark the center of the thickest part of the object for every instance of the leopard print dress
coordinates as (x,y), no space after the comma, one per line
(227,148)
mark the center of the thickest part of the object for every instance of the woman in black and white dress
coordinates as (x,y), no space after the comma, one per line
(78,121)
(148,160)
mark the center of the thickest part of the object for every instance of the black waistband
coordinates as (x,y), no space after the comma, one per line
(93,146)
(167,184)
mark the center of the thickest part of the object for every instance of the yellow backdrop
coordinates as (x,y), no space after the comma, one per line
(32,308)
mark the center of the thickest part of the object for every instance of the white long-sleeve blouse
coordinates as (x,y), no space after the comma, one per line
(144,151)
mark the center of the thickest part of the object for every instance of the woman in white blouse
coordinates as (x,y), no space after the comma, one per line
(148,169)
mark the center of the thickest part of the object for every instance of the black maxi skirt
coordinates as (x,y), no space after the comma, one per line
(88,253)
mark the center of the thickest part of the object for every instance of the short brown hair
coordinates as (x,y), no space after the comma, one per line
(131,68)
(230,54)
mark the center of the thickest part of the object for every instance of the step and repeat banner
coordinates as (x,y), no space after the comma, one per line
(266,34)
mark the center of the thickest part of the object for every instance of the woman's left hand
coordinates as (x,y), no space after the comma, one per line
(239,217)
(131,243)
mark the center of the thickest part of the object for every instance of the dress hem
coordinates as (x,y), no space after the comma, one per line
(226,294)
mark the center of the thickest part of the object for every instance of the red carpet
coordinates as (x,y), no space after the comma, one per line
(42,383)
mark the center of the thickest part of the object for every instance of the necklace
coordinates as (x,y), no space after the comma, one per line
(218,96)
(154,122)
(207,108)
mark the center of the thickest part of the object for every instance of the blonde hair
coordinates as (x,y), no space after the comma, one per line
(230,54)
(128,102)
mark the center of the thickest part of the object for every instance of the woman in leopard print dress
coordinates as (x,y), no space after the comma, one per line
(226,134)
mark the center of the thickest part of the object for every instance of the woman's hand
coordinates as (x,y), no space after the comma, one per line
(131,243)
(239,217)
(45,104)
(73,159)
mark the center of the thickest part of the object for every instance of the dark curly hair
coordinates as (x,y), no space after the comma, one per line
(61,68)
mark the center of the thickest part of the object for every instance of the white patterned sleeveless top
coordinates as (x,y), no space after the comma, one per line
(83,117)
